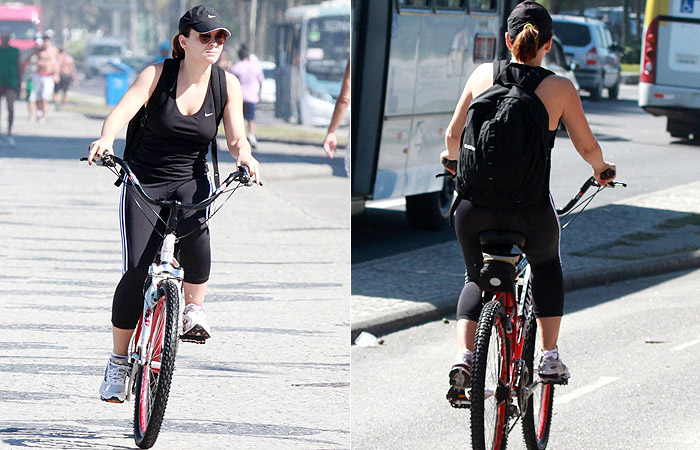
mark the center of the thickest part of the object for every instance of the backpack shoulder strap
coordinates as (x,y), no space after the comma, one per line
(534,77)
(218,84)
(166,84)
(500,75)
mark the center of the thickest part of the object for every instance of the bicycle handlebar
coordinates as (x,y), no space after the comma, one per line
(605,175)
(241,175)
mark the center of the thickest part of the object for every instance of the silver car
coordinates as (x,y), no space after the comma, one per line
(589,44)
(557,62)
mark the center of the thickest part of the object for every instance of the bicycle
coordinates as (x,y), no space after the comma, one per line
(155,341)
(503,382)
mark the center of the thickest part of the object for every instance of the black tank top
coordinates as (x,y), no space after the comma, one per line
(174,146)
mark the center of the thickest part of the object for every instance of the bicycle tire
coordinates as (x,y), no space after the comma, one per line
(489,390)
(536,427)
(152,399)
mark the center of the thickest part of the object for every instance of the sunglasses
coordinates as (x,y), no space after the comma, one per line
(219,38)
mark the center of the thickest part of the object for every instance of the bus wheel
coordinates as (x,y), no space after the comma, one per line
(678,129)
(430,211)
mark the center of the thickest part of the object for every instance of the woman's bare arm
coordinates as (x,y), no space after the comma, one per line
(579,131)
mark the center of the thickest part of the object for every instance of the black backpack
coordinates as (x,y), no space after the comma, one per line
(504,157)
(164,88)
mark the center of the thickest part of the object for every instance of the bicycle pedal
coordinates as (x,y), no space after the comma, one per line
(193,339)
(557,381)
(458,398)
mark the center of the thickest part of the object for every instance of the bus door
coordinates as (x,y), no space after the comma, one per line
(287,59)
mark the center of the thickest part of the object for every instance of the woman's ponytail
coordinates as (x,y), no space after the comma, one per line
(178,51)
(526,44)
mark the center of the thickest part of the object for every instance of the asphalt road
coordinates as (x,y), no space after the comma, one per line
(646,157)
(632,349)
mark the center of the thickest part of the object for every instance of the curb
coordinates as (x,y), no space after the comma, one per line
(439,306)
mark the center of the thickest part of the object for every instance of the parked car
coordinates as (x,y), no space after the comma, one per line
(268,91)
(557,62)
(100,52)
(589,43)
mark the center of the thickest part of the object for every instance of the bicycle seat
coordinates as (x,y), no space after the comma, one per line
(501,242)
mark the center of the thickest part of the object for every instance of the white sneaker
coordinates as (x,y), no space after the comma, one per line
(252,140)
(11,141)
(461,370)
(195,327)
(551,368)
(113,387)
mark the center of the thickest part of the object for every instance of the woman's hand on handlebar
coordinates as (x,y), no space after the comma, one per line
(98,148)
(602,174)
(246,159)
(444,157)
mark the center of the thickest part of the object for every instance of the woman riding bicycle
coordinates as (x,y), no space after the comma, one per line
(529,38)
(170,162)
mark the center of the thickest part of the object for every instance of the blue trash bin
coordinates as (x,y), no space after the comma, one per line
(117,82)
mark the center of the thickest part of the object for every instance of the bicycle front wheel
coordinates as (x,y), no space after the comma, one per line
(154,377)
(489,389)
(537,420)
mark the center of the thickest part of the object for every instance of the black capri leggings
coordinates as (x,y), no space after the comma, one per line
(141,243)
(540,225)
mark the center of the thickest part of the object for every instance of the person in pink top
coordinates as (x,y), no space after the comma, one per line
(250,74)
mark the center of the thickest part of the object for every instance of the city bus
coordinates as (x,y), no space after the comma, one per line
(669,81)
(410,62)
(313,46)
(23,22)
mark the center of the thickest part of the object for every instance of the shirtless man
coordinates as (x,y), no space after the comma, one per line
(44,79)
(68,75)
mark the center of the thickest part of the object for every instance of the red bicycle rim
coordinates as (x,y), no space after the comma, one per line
(544,404)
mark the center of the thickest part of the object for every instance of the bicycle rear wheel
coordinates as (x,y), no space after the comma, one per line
(537,420)
(153,379)
(489,389)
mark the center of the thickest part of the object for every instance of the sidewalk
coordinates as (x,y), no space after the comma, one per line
(646,235)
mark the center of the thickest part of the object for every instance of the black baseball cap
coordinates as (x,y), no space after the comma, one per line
(529,12)
(201,19)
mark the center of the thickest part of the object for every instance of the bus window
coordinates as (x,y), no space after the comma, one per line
(417,4)
(484,48)
(450,4)
(482,6)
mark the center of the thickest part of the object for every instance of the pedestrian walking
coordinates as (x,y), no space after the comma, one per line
(44,80)
(330,143)
(170,161)
(10,76)
(67,77)
(532,213)
(250,74)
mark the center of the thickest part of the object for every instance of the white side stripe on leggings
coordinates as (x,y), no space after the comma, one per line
(122,228)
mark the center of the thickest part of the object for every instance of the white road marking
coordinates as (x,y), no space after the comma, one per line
(580,392)
(386,204)
(680,347)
